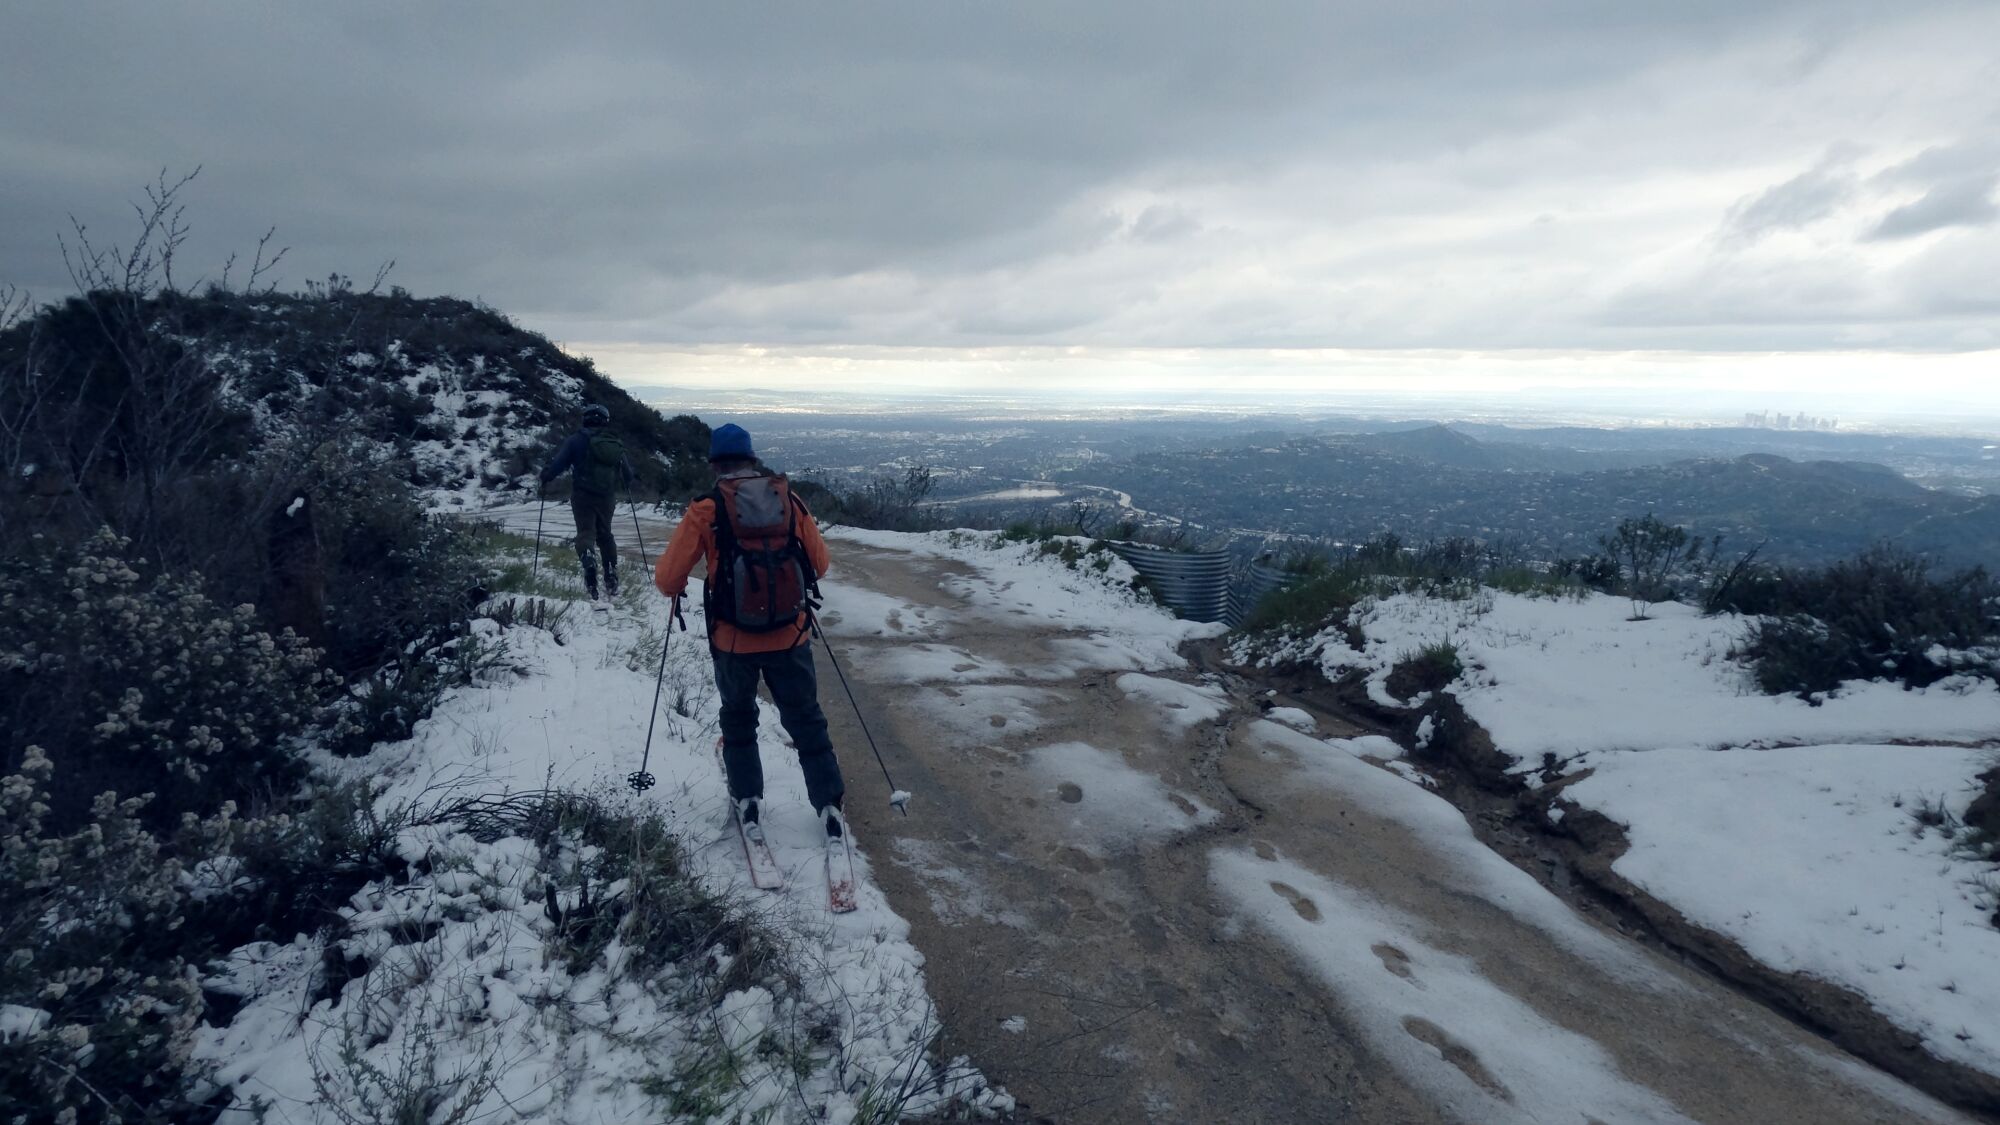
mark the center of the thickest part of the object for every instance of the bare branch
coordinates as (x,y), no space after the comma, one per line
(259,267)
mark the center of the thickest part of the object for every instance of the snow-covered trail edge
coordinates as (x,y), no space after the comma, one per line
(483,997)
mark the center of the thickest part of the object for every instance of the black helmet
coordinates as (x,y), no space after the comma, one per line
(596,414)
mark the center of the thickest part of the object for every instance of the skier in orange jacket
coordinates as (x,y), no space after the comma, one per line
(764,555)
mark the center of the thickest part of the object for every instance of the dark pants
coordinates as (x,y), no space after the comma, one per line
(795,689)
(593,512)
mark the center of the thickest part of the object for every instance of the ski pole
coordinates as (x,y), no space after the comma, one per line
(641,781)
(634,505)
(541,499)
(900,798)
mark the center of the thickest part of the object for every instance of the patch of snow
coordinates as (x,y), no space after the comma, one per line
(852,610)
(955,896)
(981,714)
(1566,677)
(1482,1053)
(20,1022)
(1293,717)
(1014,1025)
(1111,804)
(1369,746)
(1176,704)
(1812,859)
(1017,579)
(938,663)
(1460,859)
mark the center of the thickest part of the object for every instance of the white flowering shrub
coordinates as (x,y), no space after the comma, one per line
(98,1006)
(139,686)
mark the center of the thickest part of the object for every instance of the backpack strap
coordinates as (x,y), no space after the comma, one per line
(725,547)
(798,546)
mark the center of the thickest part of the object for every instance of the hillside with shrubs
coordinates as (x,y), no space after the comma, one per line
(227,557)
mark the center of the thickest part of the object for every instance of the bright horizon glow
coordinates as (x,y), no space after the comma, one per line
(1954,390)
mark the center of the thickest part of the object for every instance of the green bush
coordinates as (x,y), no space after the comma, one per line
(395,575)
(1880,616)
(1308,606)
(1431,668)
(1450,568)
(1655,559)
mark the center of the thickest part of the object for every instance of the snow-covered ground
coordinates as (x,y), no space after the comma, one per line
(1790,826)
(1500,1060)
(1812,858)
(1093,595)
(459,986)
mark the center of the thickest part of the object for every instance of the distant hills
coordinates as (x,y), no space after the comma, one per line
(1439,481)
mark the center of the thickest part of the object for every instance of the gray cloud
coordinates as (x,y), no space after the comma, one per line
(959,174)
(1961,203)
(1798,202)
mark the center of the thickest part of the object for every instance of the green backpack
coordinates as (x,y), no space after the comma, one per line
(603,464)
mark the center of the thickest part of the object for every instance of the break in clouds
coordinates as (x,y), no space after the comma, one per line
(1697,176)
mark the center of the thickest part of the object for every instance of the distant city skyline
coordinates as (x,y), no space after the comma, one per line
(1961,392)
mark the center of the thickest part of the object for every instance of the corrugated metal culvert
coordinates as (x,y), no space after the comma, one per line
(1203,585)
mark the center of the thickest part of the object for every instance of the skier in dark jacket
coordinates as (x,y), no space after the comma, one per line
(595,458)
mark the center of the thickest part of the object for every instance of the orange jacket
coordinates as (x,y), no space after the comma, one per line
(695,539)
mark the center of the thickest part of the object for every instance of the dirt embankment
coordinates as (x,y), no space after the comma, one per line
(1574,857)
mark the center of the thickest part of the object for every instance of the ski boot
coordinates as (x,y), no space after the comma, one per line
(610,576)
(747,813)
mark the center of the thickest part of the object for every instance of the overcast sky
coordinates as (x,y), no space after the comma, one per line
(1492,182)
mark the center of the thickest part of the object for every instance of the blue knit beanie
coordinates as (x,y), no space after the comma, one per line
(729,440)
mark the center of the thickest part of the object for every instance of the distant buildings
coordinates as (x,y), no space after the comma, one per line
(1765,420)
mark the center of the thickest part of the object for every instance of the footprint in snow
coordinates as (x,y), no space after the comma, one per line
(1307,908)
(1393,959)
(1457,1054)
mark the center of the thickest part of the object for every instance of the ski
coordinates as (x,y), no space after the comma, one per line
(764,872)
(840,872)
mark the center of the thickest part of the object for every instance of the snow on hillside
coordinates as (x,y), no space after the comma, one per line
(479,1002)
(469,402)
(1812,859)
(1575,678)
(1789,826)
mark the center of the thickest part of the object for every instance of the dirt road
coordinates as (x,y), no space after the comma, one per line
(1141,901)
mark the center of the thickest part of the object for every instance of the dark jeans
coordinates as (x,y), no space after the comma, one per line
(593,512)
(795,689)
